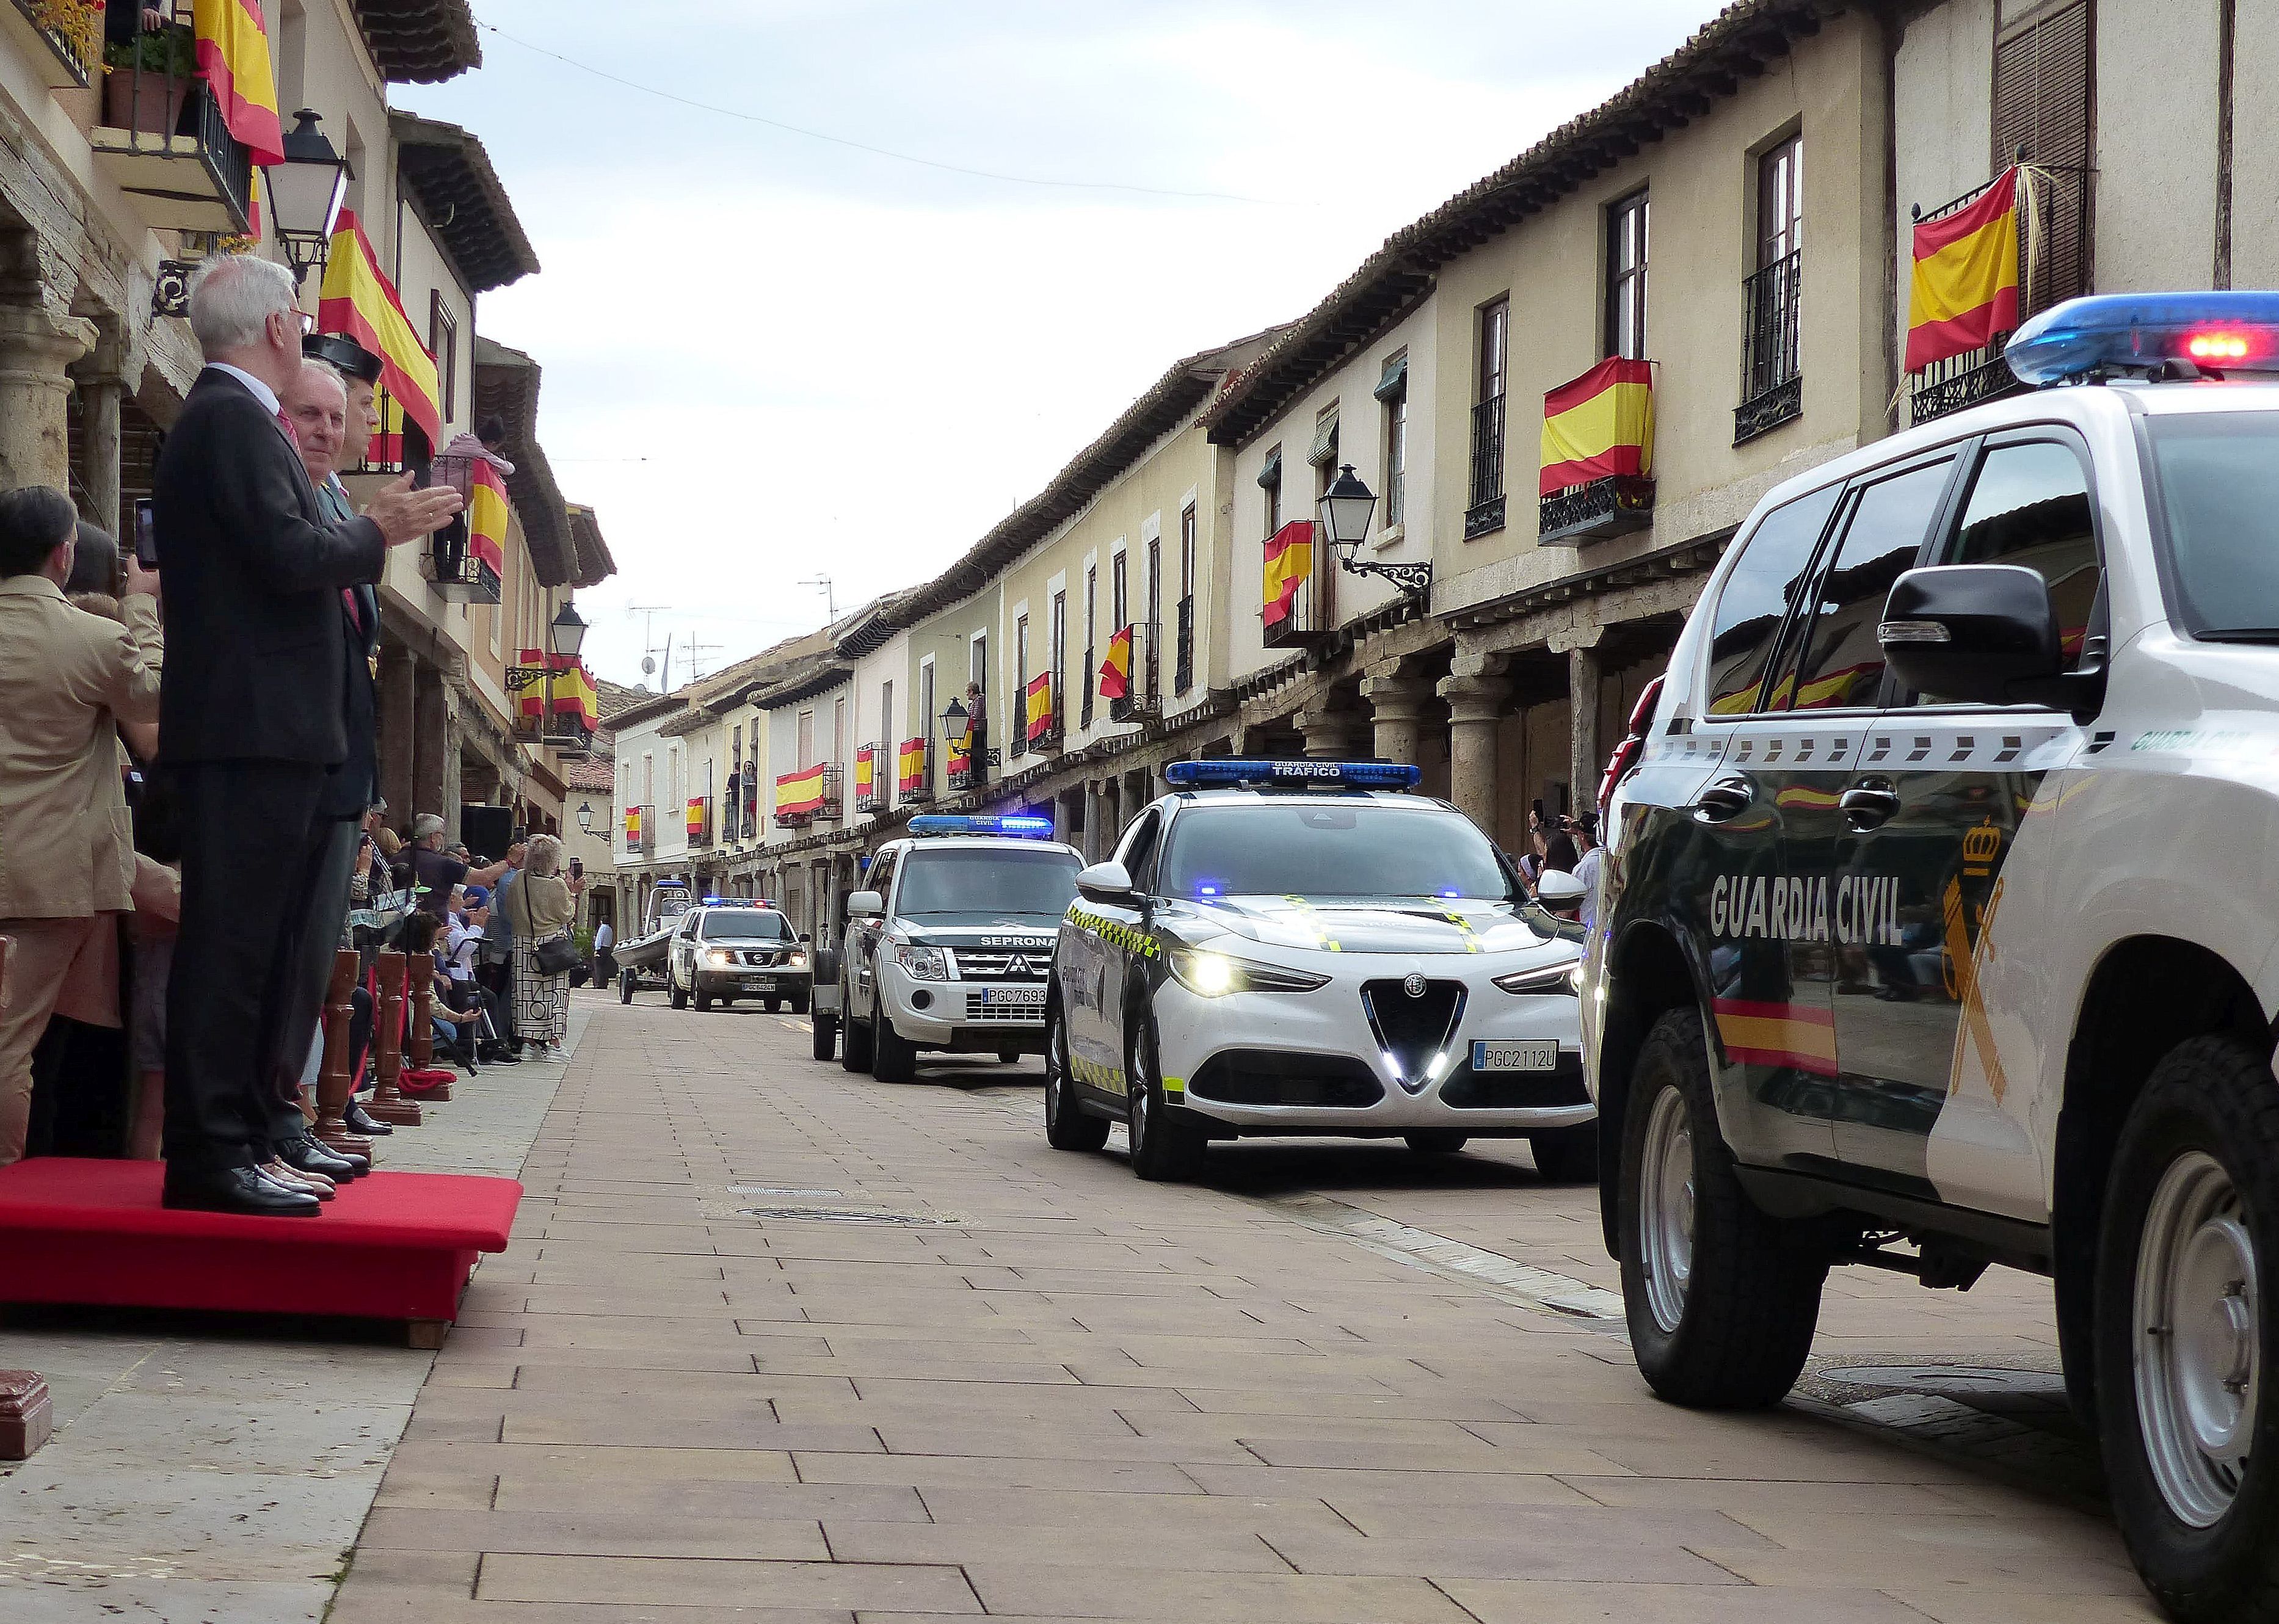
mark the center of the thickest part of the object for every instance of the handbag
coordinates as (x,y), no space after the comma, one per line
(555,955)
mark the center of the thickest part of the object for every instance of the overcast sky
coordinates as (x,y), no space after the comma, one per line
(769,356)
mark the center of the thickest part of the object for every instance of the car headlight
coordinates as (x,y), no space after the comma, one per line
(1214,975)
(797,961)
(719,958)
(922,962)
(1567,977)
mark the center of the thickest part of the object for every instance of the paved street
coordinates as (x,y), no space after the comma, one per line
(1325,1386)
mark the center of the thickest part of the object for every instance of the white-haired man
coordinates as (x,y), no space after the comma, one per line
(254,716)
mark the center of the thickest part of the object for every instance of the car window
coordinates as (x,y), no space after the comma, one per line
(881,876)
(748,924)
(993,880)
(2219,479)
(1330,849)
(1767,579)
(1842,665)
(1138,852)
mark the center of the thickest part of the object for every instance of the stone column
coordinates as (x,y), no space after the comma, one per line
(34,439)
(1396,708)
(1331,734)
(430,726)
(1585,758)
(1100,831)
(1475,709)
(99,456)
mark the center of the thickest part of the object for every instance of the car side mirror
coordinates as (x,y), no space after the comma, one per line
(807,936)
(1558,891)
(1980,632)
(866,905)
(1106,882)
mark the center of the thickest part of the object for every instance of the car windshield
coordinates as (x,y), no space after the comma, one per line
(742,925)
(2219,481)
(996,880)
(1334,848)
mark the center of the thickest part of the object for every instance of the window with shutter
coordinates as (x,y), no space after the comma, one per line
(2041,113)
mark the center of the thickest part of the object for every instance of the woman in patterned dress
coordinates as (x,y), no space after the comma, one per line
(542,904)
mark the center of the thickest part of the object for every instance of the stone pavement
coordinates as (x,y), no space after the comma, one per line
(214,1470)
(777,1342)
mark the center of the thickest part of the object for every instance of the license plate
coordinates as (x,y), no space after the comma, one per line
(1019,998)
(759,983)
(1515,1054)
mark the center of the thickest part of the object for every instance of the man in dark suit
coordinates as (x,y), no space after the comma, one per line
(254,716)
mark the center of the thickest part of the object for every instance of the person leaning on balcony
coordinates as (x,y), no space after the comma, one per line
(67,847)
(256,717)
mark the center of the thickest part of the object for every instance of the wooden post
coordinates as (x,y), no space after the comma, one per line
(388,1104)
(336,1081)
(421,1039)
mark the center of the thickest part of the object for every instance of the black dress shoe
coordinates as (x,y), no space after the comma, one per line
(233,1189)
(361,1122)
(306,1154)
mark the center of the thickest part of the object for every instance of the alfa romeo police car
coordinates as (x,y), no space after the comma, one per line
(947,946)
(1298,947)
(1940,925)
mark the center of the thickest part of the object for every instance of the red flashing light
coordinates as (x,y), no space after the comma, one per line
(2217,345)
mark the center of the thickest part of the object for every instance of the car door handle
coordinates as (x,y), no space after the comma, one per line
(1725,798)
(1870,804)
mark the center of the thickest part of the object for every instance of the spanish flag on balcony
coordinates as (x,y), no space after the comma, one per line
(574,693)
(1598,427)
(357,299)
(233,46)
(1041,706)
(632,826)
(1115,670)
(700,816)
(486,517)
(531,703)
(798,793)
(866,773)
(1289,565)
(910,765)
(1965,285)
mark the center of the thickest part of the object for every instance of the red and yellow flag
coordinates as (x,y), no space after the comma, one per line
(574,693)
(1115,670)
(531,703)
(700,816)
(1762,1034)
(357,299)
(1599,426)
(1041,706)
(233,46)
(1965,285)
(486,517)
(866,772)
(1289,565)
(632,825)
(910,766)
(799,792)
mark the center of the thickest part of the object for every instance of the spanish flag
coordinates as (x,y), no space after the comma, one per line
(232,47)
(1289,565)
(1598,427)
(574,693)
(1115,670)
(632,825)
(531,703)
(486,517)
(700,816)
(1041,706)
(910,767)
(357,299)
(799,792)
(866,772)
(1965,288)
(1796,1036)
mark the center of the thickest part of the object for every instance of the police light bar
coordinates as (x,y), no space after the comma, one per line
(2134,332)
(1016,824)
(1223,771)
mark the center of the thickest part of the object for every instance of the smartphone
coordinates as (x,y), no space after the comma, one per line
(577,867)
(146,532)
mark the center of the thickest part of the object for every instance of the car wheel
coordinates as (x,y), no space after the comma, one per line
(799,1002)
(826,1036)
(854,1036)
(2190,1429)
(1721,1299)
(704,1001)
(894,1058)
(680,1000)
(1567,1155)
(1167,1145)
(625,988)
(1437,1141)
(771,1005)
(1068,1125)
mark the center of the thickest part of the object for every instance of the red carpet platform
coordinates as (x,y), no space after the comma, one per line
(388,1246)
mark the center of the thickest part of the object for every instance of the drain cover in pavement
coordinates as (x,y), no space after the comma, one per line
(1960,1380)
(778,1190)
(840,1215)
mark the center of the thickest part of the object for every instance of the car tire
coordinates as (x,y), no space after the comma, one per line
(1565,1155)
(771,1005)
(1437,1141)
(2190,1221)
(894,1058)
(799,1003)
(826,1036)
(854,1036)
(704,1001)
(1721,1299)
(1167,1145)
(679,1000)
(1068,1125)
(1008,1057)
(625,987)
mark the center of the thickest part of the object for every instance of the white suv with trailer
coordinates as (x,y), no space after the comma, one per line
(728,948)
(1940,919)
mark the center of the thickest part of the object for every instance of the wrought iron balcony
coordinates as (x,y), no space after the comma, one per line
(645,842)
(163,141)
(1183,665)
(1141,692)
(1610,507)
(922,789)
(872,798)
(827,804)
(69,31)
(458,573)
(1772,379)
(1484,513)
(700,824)
(566,733)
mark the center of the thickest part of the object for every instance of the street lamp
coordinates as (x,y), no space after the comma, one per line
(585,817)
(306,191)
(956,724)
(568,632)
(1345,508)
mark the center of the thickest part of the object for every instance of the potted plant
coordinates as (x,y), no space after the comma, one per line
(146,82)
(74,32)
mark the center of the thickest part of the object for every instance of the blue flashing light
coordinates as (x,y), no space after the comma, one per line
(1221,771)
(2129,332)
(1019,825)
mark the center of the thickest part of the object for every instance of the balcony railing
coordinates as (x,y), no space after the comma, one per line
(1084,714)
(827,801)
(1772,380)
(71,33)
(1609,506)
(872,796)
(643,844)
(1183,666)
(567,733)
(1142,694)
(162,137)
(459,575)
(1485,512)
(2061,202)
(920,788)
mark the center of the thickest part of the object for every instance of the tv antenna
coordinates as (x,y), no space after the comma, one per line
(830,593)
(648,612)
